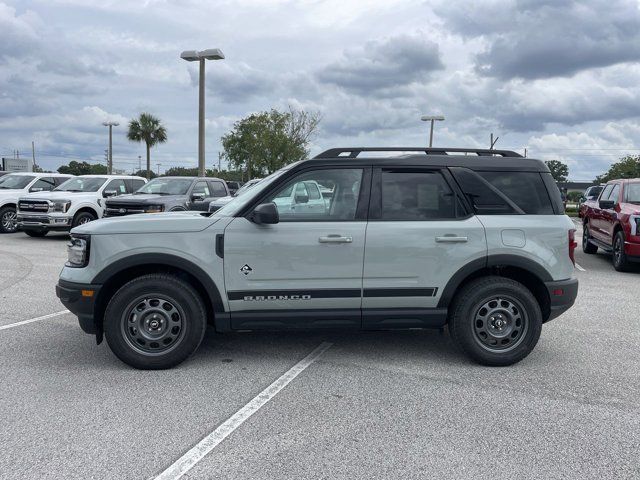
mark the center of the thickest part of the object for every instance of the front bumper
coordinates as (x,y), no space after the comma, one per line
(44,221)
(80,299)
(562,296)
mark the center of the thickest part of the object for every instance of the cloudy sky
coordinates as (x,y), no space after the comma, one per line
(560,78)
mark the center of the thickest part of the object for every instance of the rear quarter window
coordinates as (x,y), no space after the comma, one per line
(526,189)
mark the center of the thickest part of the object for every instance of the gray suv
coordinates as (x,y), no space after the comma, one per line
(475,240)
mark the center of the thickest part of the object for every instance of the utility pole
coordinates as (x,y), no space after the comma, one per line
(493,142)
(33,155)
(110,159)
(139,162)
(219,161)
(158,168)
(525,153)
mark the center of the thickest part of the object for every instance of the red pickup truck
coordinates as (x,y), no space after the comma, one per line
(612,223)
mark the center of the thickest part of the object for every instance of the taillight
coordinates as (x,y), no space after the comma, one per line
(572,245)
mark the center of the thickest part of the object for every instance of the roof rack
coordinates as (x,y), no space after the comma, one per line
(353,152)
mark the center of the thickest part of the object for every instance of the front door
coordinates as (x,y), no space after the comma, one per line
(417,238)
(305,270)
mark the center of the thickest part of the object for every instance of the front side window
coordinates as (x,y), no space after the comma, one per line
(116,185)
(416,196)
(166,186)
(299,199)
(201,189)
(15,181)
(80,184)
(606,192)
(43,184)
(615,193)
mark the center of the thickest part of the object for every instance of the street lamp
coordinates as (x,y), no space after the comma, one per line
(194,56)
(110,158)
(432,119)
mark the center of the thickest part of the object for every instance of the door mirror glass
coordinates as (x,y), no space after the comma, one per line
(606,204)
(109,193)
(266,213)
(197,197)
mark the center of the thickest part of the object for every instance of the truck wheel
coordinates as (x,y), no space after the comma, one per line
(155,321)
(620,262)
(8,220)
(82,218)
(36,233)
(495,321)
(587,247)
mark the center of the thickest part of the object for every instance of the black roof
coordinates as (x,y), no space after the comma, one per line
(473,158)
(191,178)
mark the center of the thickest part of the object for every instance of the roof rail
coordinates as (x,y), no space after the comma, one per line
(353,152)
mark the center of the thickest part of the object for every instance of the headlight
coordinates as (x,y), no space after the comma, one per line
(78,251)
(154,208)
(60,206)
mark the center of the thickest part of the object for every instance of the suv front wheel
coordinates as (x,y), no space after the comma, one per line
(496,321)
(155,321)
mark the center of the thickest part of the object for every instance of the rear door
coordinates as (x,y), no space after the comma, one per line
(418,236)
(305,270)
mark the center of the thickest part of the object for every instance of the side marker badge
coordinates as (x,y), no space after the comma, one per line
(246,269)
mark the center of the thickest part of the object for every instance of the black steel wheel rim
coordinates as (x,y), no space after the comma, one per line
(9,221)
(500,323)
(585,236)
(153,324)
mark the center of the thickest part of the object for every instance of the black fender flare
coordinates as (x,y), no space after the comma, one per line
(503,260)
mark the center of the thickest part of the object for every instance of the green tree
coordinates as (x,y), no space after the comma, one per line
(263,142)
(82,168)
(182,172)
(143,173)
(559,171)
(148,129)
(626,167)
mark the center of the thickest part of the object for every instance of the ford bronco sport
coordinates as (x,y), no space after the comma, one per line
(472,239)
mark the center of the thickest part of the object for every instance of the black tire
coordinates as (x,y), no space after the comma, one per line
(36,233)
(619,258)
(179,315)
(516,312)
(587,247)
(8,222)
(82,218)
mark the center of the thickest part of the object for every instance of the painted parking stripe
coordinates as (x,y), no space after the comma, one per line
(31,320)
(211,441)
(580,268)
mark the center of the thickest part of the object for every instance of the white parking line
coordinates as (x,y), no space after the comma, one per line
(31,320)
(580,268)
(211,441)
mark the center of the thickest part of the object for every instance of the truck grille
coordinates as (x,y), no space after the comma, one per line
(33,206)
(121,209)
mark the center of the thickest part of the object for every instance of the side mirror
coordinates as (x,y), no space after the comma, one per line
(197,197)
(301,199)
(267,214)
(606,204)
(109,193)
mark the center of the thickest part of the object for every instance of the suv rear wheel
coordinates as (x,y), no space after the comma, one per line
(155,321)
(587,246)
(496,321)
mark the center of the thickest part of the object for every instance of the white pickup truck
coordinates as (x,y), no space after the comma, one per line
(14,185)
(76,202)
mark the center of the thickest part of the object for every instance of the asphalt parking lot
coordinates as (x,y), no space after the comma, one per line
(372,405)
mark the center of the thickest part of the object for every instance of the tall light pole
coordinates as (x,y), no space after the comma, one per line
(193,56)
(110,159)
(432,119)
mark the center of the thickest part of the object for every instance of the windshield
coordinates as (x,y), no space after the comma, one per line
(242,197)
(80,184)
(165,186)
(633,193)
(15,181)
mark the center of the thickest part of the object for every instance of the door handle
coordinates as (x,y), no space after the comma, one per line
(451,239)
(336,239)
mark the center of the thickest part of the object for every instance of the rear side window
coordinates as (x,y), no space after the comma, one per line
(525,189)
(480,195)
(415,196)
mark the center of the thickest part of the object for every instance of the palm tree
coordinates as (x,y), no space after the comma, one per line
(148,129)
